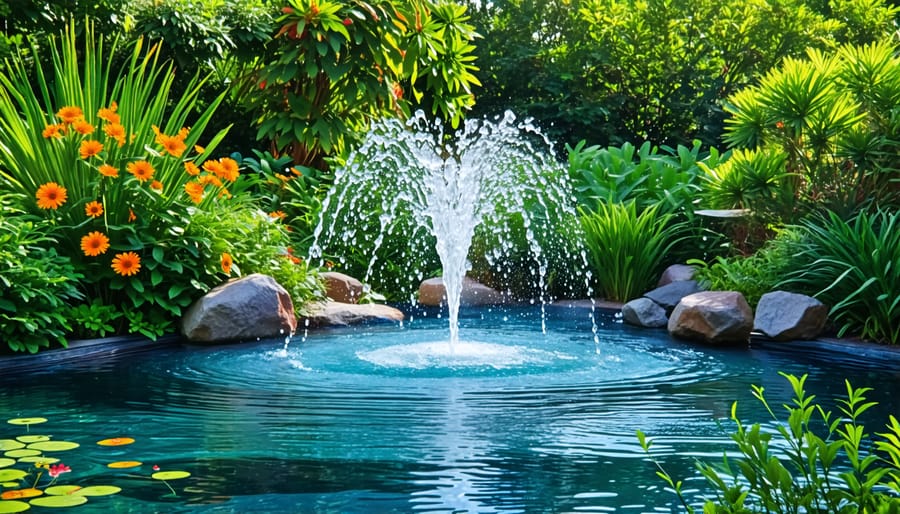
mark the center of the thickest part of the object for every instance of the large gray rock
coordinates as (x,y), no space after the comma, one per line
(342,288)
(712,317)
(644,312)
(432,292)
(325,314)
(784,316)
(247,308)
(676,273)
(670,294)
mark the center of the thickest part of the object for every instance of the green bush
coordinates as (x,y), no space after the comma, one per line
(834,117)
(813,462)
(36,282)
(753,275)
(627,250)
(853,267)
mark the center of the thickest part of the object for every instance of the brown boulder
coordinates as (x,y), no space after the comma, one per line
(712,317)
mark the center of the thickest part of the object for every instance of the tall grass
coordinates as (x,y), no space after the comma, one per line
(854,266)
(627,250)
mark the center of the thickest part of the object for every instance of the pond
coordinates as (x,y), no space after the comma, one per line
(391,419)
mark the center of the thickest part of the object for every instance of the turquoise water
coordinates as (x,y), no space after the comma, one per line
(391,419)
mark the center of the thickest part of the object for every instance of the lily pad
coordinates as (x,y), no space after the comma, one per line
(28,439)
(8,475)
(40,459)
(10,444)
(16,494)
(124,464)
(58,490)
(169,475)
(70,500)
(98,490)
(116,441)
(8,507)
(4,462)
(26,421)
(53,446)
(17,454)
(9,484)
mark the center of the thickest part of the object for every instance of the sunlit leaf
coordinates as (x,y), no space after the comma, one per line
(20,493)
(59,501)
(116,441)
(4,462)
(28,439)
(170,475)
(8,475)
(58,490)
(98,490)
(26,421)
(8,507)
(39,458)
(53,446)
(10,444)
(15,454)
(122,464)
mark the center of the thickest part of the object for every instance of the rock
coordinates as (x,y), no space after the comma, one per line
(248,308)
(676,273)
(669,295)
(342,288)
(713,317)
(325,314)
(644,312)
(785,316)
(432,292)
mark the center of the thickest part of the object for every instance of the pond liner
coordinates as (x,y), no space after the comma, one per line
(101,349)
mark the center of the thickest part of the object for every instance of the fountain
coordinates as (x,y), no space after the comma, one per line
(438,189)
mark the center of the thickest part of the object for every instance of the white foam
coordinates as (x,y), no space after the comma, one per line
(462,354)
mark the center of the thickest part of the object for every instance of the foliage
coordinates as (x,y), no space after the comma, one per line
(753,275)
(835,118)
(610,71)
(795,469)
(113,163)
(670,178)
(335,65)
(627,250)
(93,319)
(197,33)
(853,267)
(36,282)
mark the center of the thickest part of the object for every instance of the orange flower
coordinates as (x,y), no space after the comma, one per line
(108,171)
(50,196)
(191,169)
(226,263)
(210,179)
(90,148)
(83,127)
(93,209)
(109,114)
(214,167)
(126,264)
(131,216)
(94,244)
(194,190)
(56,131)
(199,149)
(277,214)
(70,114)
(157,185)
(230,170)
(117,132)
(142,170)
(173,146)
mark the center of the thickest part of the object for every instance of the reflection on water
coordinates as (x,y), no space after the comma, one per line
(386,419)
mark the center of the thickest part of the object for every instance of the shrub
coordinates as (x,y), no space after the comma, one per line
(813,462)
(36,282)
(853,267)
(335,65)
(627,250)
